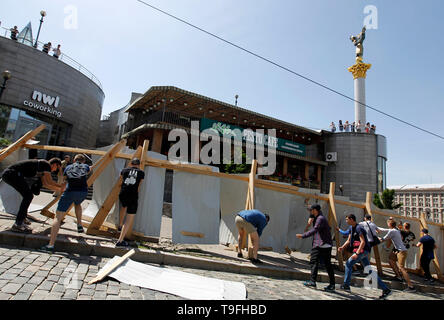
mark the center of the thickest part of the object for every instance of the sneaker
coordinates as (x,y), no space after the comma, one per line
(80,229)
(330,288)
(385,293)
(345,287)
(356,273)
(310,284)
(410,289)
(47,248)
(122,244)
(239,255)
(119,228)
(21,228)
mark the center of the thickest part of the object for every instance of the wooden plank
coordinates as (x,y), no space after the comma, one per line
(334,220)
(192,234)
(109,202)
(106,271)
(20,142)
(368,208)
(250,197)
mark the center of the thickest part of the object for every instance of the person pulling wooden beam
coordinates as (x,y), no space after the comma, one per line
(130,182)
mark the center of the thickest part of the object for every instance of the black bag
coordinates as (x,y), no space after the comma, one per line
(376,240)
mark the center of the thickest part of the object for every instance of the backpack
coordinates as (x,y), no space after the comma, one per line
(77,174)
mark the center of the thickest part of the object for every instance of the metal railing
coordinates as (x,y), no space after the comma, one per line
(6,33)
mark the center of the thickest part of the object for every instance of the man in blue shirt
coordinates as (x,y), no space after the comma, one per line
(253,223)
(428,247)
(358,244)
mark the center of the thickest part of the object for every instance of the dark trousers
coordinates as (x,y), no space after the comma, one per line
(16,181)
(425,265)
(324,254)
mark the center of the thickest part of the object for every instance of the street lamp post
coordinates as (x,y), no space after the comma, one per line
(6,76)
(42,13)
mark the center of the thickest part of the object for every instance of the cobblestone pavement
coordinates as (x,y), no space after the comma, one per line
(32,275)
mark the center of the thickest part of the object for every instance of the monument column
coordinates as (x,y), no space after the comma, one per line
(359,71)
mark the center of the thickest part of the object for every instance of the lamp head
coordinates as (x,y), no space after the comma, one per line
(43,13)
(6,75)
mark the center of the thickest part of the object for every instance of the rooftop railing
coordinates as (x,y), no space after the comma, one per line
(5,32)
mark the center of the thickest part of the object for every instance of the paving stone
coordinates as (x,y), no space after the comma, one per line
(125,293)
(99,295)
(83,297)
(53,278)
(21,296)
(39,295)
(58,288)
(7,276)
(36,280)
(112,290)
(70,294)
(27,288)
(27,274)
(87,292)
(5,296)
(54,296)
(112,297)
(11,288)
(46,285)
(42,273)
(101,287)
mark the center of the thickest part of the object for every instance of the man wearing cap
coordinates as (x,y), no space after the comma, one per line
(130,182)
(321,250)
(253,223)
(428,247)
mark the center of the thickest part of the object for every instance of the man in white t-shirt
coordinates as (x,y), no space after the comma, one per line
(398,257)
(369,227)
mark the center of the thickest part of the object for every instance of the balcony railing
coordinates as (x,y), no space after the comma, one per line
(5,32)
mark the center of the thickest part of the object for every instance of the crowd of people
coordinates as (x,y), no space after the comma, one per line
(47,47)
(73,189)
(353,127)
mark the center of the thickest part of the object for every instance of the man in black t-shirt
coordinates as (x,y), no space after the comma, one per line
(407,235)
(15,176)
(130,181)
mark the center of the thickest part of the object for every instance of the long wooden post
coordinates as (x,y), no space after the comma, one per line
(107,158)
(21,142)
(368,208)
(334,222)
(250,200)
(109,202)
(424,225)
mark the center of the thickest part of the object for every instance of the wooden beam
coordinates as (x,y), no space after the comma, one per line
(334,221)
(106,271)
(20,142)
(368,208)
(250,196)
(192,234)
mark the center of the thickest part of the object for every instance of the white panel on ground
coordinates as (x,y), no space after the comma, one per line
(233,195)
(196,207)
(149,213)
(179,283)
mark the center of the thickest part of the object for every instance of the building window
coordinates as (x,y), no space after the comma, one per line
(435,200)
(427,202)
(413,201)
(407,201)
(414,214)
(407,212)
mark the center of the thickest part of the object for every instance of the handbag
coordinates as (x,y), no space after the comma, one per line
(376,240)
(355,246)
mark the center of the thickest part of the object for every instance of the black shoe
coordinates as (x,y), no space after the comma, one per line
(122,244)
(119,228)
(21,228)
(239,255)
(345,287)
(398,279)
(385,293)
(253,260)
(330,288)
(310,284)
(80,229)
(47,249)
(409,289)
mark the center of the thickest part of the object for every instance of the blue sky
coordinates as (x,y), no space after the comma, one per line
(131,47)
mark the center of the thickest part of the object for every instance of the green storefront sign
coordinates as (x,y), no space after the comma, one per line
(253,137)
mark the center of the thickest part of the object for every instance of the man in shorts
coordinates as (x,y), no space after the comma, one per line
(130,181)
(397,257)
(76,174)
(251,222)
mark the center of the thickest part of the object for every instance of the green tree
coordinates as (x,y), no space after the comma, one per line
(237,168)
(386,200)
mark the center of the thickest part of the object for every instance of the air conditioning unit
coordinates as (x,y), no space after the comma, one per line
(331,156)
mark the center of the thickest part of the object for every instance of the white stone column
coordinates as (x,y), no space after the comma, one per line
(360,96)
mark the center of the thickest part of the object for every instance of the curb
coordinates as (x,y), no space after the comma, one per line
(83,247)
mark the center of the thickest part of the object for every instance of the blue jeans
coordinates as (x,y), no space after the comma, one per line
(363,257)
